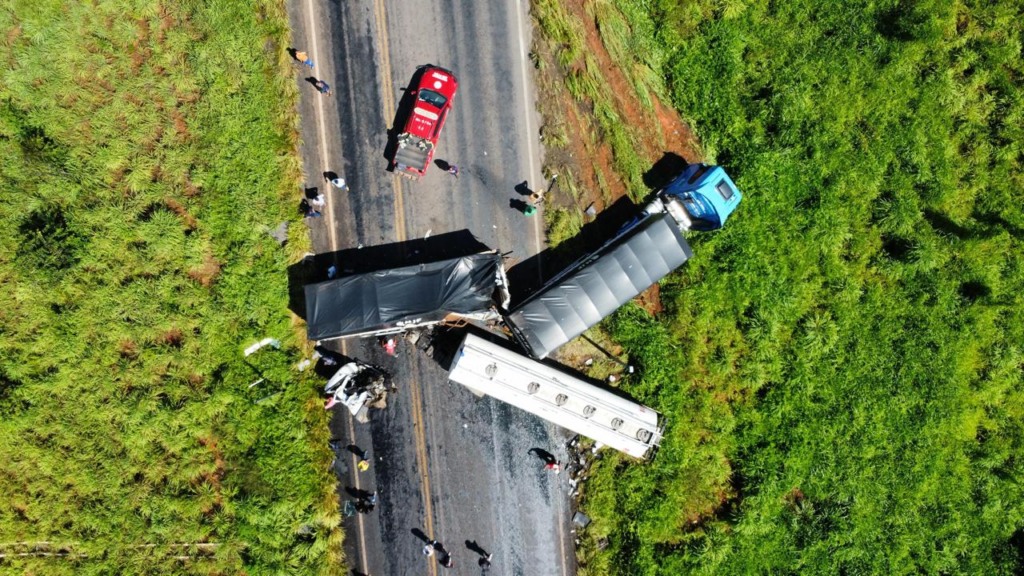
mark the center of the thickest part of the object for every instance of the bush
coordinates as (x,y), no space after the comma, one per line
(840,366)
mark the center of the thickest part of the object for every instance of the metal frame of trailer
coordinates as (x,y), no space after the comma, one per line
(395,300)
(596,286)
(570,402)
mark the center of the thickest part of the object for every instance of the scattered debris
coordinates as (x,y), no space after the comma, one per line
(280,233)
(580,519)
(265,342)
(358,387)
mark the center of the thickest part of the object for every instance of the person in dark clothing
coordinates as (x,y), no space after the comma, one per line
(323,87)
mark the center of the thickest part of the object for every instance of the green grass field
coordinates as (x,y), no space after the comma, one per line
(841,367)
(146,150)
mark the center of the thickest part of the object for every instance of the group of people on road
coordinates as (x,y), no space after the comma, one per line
(304,59)
(444,557)
(313,206)
(315,201)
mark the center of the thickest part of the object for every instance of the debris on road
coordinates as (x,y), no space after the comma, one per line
(358,387)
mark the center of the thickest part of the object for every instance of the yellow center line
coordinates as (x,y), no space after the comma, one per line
(387,89)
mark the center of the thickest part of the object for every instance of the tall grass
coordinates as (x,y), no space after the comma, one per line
(586,83)
(144,155)
(840,367)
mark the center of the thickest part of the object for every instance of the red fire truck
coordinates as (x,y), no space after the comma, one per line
(432,100)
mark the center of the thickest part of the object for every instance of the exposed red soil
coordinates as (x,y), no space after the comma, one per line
(214,477)
(206,273)
(591,160)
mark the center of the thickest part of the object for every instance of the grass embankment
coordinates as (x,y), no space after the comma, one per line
(597,124)
(146,149)
(841,366)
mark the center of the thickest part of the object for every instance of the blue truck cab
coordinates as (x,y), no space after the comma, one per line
(706,196)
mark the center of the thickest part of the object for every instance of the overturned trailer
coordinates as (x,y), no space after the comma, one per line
(700,198)
(390,301)
(568,401)
(597,285)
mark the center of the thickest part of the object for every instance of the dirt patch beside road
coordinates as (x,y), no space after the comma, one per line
(583,153)
(576,145)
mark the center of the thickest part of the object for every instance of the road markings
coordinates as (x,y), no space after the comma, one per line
(322,132)
(387,90)
(538,239)
(332,236)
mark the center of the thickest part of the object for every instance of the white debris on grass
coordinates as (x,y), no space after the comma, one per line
(265,342)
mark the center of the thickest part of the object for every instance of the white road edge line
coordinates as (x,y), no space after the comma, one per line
(333,235)
(322,133)
(538,241)
(524,58)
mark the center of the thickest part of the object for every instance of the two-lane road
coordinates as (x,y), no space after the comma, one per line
(444,462)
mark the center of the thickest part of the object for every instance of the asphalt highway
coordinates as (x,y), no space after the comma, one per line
(446,465)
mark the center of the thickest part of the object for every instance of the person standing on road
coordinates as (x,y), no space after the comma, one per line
(322,87)
(304,59)
(340,184)
(473,546)
(368,503)
(428,550)
(359,452)
(453,170)
(438,546)
(319,202)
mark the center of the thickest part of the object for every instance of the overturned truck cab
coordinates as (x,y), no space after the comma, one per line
(643,252)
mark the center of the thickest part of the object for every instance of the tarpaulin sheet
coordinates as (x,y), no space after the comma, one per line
(365,303)
(622,270)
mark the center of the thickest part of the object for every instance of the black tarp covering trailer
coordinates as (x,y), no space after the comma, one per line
(399,299)
(594,287)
